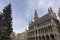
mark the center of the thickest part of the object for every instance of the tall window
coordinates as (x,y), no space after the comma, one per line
(36,31)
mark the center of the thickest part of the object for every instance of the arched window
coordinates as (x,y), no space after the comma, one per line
(52,37)
(43,38)
(39,31)
(36,31)
(47,37)
(39,37)
(36,38)
(33,38)
(50,27)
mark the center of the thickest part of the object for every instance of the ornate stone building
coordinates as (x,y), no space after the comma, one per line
(13,36)
(22,36)
(46,27)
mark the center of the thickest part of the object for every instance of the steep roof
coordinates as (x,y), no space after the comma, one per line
(47,17)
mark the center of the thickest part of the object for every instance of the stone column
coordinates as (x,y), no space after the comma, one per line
(57,37)
(37,34)
(34,32)
(45,37)
(49,37)
(35,37)
(38,37)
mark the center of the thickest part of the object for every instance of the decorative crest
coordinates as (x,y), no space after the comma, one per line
(50,9)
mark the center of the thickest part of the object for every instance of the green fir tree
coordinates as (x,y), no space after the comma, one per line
(7,22)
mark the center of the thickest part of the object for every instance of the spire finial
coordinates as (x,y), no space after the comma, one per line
(35,11)
(50,9)
(35,15)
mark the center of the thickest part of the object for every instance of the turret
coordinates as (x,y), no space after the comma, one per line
(50,10)
(59,13)
(52,13)
(36,15)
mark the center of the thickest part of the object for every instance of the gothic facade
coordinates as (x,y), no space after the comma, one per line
(46,27)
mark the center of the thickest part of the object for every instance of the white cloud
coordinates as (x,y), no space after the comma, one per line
(46,3)
(16,31)
(20,30)
(40,3)
(17,22)
(28,13)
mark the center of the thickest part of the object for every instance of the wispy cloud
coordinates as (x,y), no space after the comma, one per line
(46,3)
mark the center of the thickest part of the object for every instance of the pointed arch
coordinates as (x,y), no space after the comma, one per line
(39,37)
(43,38)
(52,37)
(47,37)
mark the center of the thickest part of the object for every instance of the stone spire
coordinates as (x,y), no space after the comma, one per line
(50,10)
(36,15)
(59,13)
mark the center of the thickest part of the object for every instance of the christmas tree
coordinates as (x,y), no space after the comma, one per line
(6,23)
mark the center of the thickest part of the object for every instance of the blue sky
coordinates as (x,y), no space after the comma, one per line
(23,11)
